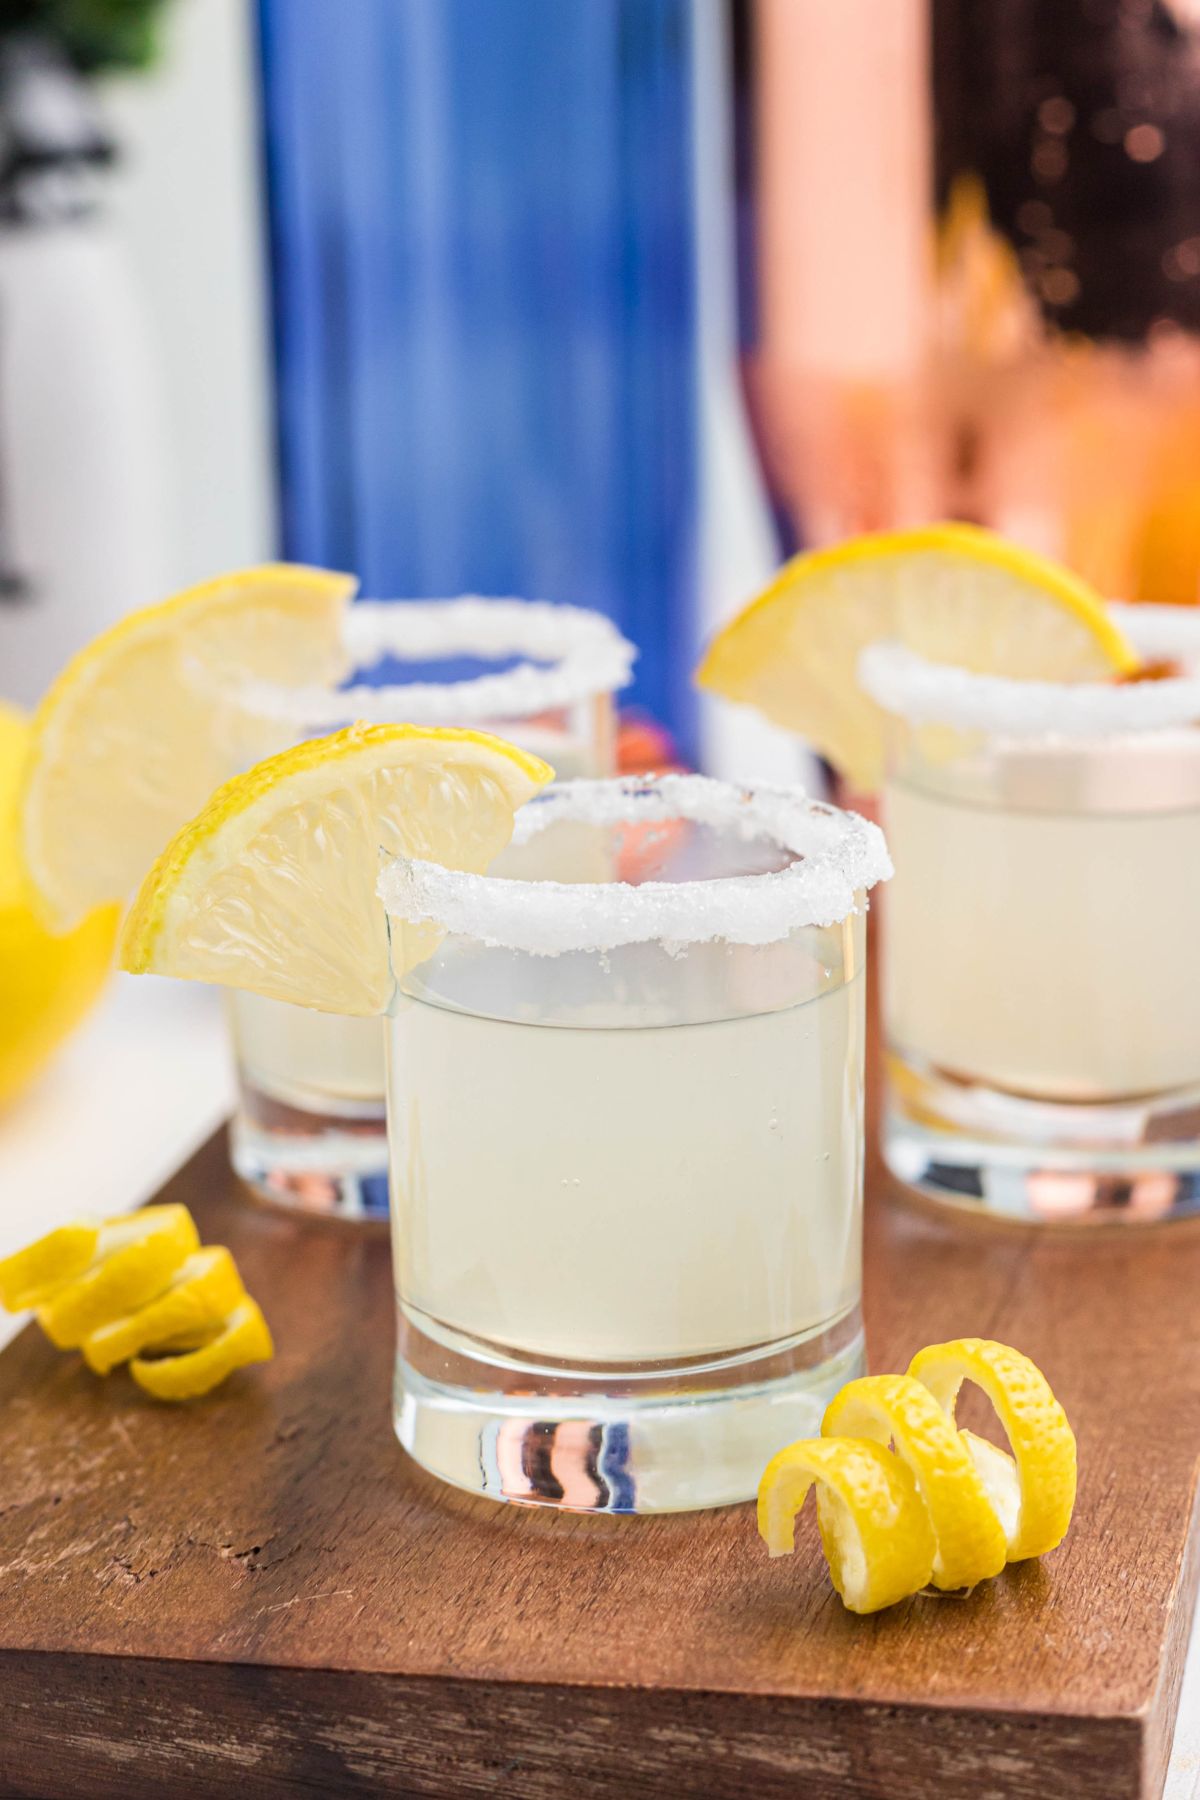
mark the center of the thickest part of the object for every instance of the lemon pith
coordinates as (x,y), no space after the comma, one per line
(1036,1426)
(954,593)
(272,886)
(896,1408)
(874,1528)
(141,725)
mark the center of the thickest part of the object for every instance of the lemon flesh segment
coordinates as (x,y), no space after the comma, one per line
(272,887)
(29,1276)
(135,1257)
(1043,1444)
(874,1527)
(953,593)
(202,1293)
(969,1539)
(244,1338)
(143,724)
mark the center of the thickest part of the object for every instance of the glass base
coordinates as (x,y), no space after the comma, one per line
(310,1161)
(649,1438)
(1128,1161)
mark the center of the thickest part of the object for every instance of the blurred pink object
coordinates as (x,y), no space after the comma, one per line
(844,180)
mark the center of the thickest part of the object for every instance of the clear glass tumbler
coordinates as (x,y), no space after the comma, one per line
(627,1143)
(310,1129)
(1041,954)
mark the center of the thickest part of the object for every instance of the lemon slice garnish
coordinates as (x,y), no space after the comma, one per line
(874,1527)
(134,1258)
(140,727)
(952,593)
(1035,1494)
(244,1338)
(272,887)
(203,1291)
(894,1408)
(30,1276)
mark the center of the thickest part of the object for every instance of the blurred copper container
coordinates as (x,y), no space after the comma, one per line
(978,260)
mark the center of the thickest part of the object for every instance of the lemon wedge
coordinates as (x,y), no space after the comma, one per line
(1034,1490)
(970,1540)
(272,887)
(134,1259)
(30,1276)
(203,1291)
(140,727)
(953,593)
(874,1528)
(243,1338)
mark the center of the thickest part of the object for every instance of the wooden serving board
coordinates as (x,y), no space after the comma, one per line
(262,1596)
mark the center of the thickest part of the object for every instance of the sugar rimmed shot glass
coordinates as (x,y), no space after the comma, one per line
(626,1124)
(309,1131)
(1041,962)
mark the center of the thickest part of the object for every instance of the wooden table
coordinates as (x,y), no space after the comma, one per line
(260,1596)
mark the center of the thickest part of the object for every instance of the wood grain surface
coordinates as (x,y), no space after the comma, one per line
(261,1595)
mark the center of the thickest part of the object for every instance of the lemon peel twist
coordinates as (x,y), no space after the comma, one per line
(140,1289)
(943,1504)
(1041,1473)
(970,1539)
(203,1292)
(875,1530)
(135,1258)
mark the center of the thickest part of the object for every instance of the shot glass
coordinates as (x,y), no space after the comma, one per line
(1041,968)
(626,1124)
(309,1130)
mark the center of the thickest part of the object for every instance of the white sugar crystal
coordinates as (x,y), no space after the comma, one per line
(839,856)
(572,654)
(927,693)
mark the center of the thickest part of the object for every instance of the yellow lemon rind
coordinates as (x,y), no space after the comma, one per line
(1043,1444)
(202,1293)
(30,1276)
(245,1339)
(970,1540)
(150,1248)
(874,1527)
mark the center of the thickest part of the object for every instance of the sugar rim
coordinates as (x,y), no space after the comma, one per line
(1159,631)
(585,653)
(842,856)
(929,693)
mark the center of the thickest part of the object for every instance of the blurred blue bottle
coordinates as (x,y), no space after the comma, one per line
(485,269)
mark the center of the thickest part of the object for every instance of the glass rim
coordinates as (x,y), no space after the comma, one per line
(573,654)
(930,693)
(839,857)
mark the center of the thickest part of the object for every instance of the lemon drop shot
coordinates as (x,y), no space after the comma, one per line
(1042,964)
(626,1141)
(309,1128)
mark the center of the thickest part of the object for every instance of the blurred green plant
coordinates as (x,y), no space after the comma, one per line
(92,34)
